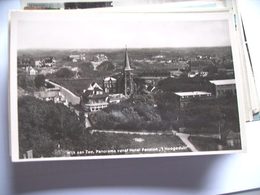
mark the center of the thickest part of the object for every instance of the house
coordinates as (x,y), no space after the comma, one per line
(77,57)
(31,71)
(193,74)
(185,98)
(52,94)
(38,63)
(100,58)
(150,88)
(204,74)
(224,87)
(49,61)
(115,98)
(94,98)
(175,73)
(110,85)
(46,71)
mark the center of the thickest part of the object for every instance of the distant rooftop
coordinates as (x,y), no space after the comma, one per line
(223,82)
(109,78)
(193,93)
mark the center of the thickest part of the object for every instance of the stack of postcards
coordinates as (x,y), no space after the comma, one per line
(128,80)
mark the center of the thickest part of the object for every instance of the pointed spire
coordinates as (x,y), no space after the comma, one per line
(127,64)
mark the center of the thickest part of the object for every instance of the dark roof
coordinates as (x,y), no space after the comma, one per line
(150,88)
(77,85)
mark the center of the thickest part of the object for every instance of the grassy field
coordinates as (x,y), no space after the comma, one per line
(118,144)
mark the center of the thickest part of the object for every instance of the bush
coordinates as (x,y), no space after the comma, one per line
(39,81)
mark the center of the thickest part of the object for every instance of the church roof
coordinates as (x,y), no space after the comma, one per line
(127,63)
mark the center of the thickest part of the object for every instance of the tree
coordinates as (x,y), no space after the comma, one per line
(39,81)
(106,66)
(45,125)
(22,81)
(64,73)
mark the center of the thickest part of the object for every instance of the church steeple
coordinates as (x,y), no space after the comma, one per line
(127,64)
(128,77)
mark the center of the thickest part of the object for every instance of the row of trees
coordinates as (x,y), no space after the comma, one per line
(31,83)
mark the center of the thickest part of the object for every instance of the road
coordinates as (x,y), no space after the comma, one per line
(185,138)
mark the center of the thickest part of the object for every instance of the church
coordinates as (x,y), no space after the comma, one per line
(115,88)
(123,82)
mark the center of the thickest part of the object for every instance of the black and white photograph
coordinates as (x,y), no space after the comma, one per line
(113,85)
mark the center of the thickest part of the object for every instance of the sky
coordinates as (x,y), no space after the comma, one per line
(106,33)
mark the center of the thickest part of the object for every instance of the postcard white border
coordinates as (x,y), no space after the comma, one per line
(81,15)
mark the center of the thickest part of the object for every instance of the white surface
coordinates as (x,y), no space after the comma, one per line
(176,175)
(223,82)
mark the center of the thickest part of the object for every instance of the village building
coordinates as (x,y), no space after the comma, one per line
(193,73)
(185,98)
(49,61)
(38,63)
(51,94)
(77,57)
(45,71)
(31,71)
(110,85)
(125,79)
(176,73)
(100,58)
(94,98)
(115,98)
(115,88)
(224,87)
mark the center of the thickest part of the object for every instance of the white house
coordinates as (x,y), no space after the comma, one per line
(224,87)
(31,71)
(94,98)
(184,98)
(38,63)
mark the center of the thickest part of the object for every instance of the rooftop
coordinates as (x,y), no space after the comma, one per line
(223,82)
(193,93)
(109,78)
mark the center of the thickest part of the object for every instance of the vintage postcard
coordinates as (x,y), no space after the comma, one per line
(87,85)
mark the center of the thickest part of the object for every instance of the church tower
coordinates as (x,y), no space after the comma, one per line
(128,77)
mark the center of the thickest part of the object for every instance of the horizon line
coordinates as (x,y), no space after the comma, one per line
(120,48)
